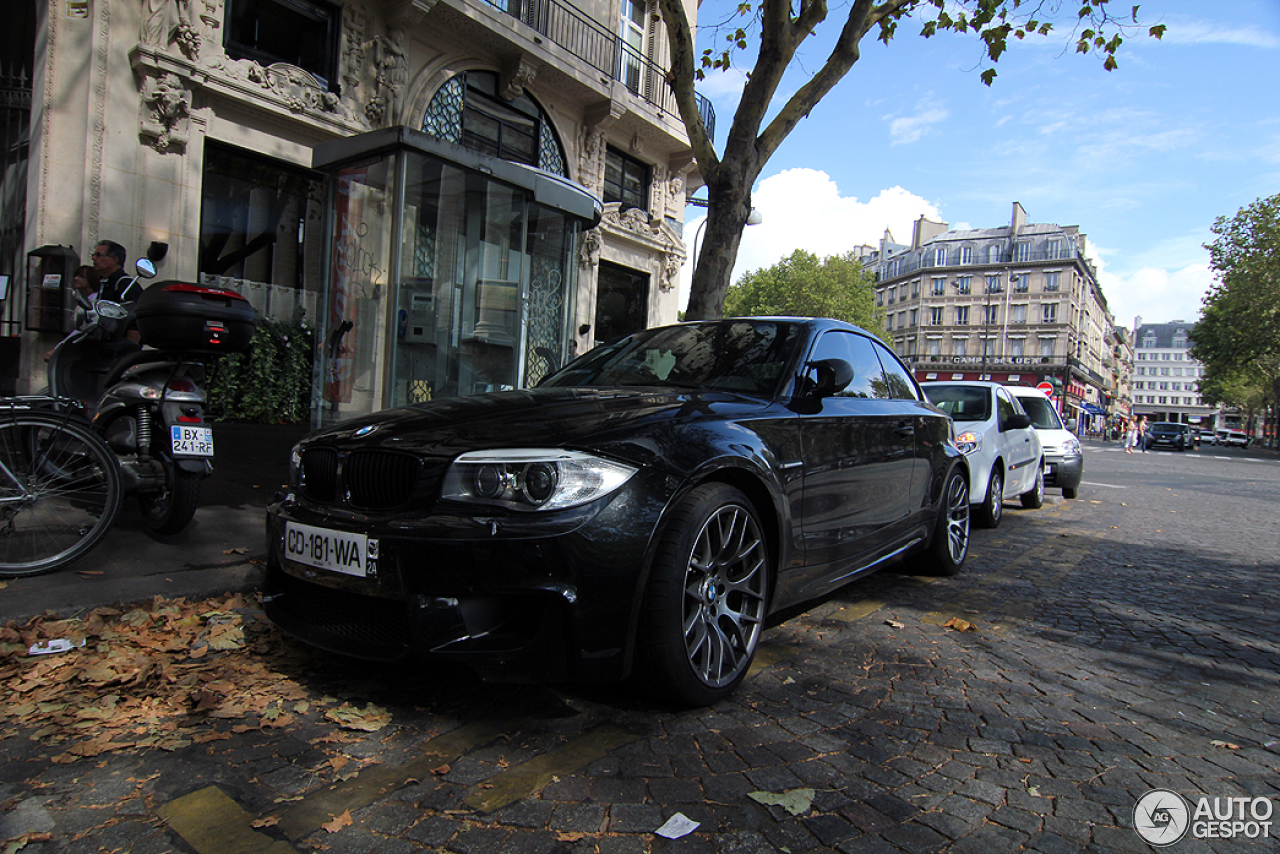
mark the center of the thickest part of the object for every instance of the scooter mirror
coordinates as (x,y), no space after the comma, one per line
(110,310)
(146,269)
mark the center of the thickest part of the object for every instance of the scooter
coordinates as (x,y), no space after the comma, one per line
(148,404)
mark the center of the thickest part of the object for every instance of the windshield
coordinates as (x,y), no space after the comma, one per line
(742,356)
(962,403)
(1043,415)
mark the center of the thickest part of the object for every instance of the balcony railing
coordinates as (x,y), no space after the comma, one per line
(910,265)
(604,51)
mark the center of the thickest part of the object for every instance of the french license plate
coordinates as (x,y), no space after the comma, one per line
(191,441)
(336,551)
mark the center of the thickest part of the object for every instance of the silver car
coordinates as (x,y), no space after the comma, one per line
(995,433)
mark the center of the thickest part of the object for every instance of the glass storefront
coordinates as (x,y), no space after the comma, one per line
(451,272)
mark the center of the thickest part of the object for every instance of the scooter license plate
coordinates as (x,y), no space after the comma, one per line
(191,441)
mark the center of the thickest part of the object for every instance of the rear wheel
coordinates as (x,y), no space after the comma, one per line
(992,509)
(169,511)
(60,492)
(707,598)
(1034,497)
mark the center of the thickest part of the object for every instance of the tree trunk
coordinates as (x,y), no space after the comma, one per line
(729,205)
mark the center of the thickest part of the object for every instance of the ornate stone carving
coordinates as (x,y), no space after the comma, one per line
(168,22)
(297,88)
(390,73)
(166,105)
(672,261)
(591,159)
(519,74)
(589,255)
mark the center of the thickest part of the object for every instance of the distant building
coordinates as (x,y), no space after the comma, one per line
(1166,380)
(1016,304)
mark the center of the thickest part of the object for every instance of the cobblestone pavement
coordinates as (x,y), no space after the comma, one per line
(1122,642)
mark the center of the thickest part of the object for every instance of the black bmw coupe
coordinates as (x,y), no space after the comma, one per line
(641,512)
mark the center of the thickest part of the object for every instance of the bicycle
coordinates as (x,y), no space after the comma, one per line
(60,485)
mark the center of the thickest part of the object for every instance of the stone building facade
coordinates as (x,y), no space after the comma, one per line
(1017,304)
(189,128)
(1166,380)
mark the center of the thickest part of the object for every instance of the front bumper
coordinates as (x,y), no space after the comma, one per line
(514,598)
(1063,472)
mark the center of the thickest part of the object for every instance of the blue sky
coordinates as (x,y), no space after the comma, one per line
(1143,159)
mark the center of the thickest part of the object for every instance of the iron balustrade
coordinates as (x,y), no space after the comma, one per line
(603,50)
(911,265)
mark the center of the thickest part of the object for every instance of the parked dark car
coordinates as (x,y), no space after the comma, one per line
(1170,434)
(640,513)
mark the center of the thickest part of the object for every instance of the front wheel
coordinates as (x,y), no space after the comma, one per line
(950,544)
(992,509)
(706,600)
(1034,497)
(169,511)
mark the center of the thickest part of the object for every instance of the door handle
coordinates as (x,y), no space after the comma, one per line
(905,429)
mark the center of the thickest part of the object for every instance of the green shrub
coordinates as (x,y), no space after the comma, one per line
(270,382)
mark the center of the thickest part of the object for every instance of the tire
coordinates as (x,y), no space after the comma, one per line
(1069,492)
(706,600)
(950,544)
(992,509)
(65,487)
(1034,497)
(170,511)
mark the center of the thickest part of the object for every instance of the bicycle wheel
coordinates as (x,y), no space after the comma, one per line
(60,491)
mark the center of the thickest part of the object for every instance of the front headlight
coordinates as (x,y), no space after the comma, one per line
(969,442)
(532,478)
(1071,447)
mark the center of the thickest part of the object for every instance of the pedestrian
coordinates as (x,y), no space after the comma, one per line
(1130,429)
(85,280)
(1142,433)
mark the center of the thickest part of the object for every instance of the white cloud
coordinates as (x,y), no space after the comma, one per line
(803,209)
(1202,32)
(1157,294)
(908,129)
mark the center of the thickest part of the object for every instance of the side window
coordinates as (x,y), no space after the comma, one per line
(897,382)
(1006,406)
(859,352)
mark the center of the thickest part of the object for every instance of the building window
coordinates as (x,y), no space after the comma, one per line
(467,110)
(915,317)
(1024,251)
(966,254)
(892,295)
(915,289)
(935,316)
(297,32)
(960,347)
(940,257)
(990,314)
(1021,283)
(1046,348)
(626,180)
(993,284)
(963,284)
(939,286)
(1051,281)
(1054,250)
(934,347)
(1018,313)
(962,315)
(1015,349)
(993,254)
(260,223)
(633,37)
(1050,312)
(622,302)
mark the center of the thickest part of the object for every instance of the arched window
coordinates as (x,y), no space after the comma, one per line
(468,111)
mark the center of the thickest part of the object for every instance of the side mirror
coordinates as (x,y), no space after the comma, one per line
(146,268)
(834,376)
(1071,424)
(1017,422)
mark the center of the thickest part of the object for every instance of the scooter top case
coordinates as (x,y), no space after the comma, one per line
(192,318)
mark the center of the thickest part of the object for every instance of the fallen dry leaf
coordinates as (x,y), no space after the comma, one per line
(960,625)
(1228,745)
(269,821)
(338,823)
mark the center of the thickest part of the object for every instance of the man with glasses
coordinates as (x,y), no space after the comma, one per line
(108,262)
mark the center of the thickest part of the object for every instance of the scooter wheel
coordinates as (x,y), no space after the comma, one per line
(170,511)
